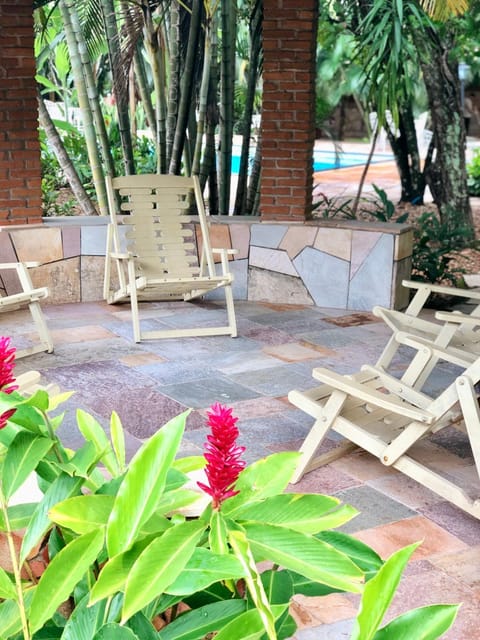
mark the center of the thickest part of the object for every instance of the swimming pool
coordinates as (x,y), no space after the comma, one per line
(326,160)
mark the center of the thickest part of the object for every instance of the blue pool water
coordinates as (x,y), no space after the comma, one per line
(325,160)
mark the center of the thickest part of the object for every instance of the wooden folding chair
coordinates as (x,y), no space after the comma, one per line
(451,329)
(160,258)
(388,418)
(28,295)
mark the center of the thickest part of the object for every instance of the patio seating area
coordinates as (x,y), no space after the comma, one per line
(275,351)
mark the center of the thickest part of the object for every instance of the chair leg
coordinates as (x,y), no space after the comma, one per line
(232,321)
(43,331)
(325,417)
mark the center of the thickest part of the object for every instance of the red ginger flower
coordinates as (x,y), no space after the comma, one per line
(222,455)
(7,363)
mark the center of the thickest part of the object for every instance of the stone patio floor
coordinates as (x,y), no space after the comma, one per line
(275,351)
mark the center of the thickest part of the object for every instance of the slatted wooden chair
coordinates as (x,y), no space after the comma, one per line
(31,296)
(388,418)
(160,256)
(452,329)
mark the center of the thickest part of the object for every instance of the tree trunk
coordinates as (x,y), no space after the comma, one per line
(55,142)
(447,174)
(407,157)
(227,87)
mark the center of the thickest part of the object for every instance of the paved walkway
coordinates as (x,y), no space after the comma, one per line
(275,352)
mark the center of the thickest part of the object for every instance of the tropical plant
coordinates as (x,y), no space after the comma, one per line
(435,243)
(473,169)
(128,551)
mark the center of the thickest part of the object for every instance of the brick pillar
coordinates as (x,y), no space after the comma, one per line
(288,111)
(20,170)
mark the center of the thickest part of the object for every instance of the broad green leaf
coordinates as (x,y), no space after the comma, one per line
(61,576)
(48,632)
(177,499)
(142,627)
(425,623)
(307,587)
(115,631)
(117,436)
(7,588)
(363,555)
(278,586)
(378,594)
(10,621)
(217,535)
(203,569)
(82,513)
(190,463)
(159,565)
(305,554)
(19,516)
(308,513)
(23,455)
(82,461)
(85,620)
(216,592)
(63,487)
(58,399)
(143,485)
(198,623)
(253,581)
(247,626)
(262,479)
(114,573)
(93,432)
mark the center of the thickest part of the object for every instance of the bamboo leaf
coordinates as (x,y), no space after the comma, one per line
(143,485)
(306,555)
(198,623)
(83,513)
(159,565)
(378,594)
(23,455)
(61,575)
(425,623)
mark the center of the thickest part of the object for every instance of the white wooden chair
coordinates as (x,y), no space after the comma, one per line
(28,295)
(161,257)
(388,418)
(453,330)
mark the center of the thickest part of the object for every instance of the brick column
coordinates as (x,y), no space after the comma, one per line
(288,111)
(20,170)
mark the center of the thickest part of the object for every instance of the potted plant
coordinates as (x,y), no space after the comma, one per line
(139,550)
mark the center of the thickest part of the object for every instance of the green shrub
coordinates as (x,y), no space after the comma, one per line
(473,171)
(433,247)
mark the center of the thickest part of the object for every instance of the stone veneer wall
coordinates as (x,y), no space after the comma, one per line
(348,265)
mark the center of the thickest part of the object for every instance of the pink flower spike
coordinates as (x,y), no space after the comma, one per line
(222,455)
(7,364)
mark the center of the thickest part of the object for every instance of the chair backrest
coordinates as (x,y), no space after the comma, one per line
(161,223)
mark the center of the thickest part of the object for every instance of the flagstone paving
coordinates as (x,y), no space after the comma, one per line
(275,351)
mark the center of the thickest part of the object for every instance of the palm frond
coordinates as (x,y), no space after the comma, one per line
(443,9)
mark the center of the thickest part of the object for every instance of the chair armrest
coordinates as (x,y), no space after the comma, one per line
(443,289)
(461,357)
(229,252)
(458,317)
(121,256)
(15,265)
(368,394)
